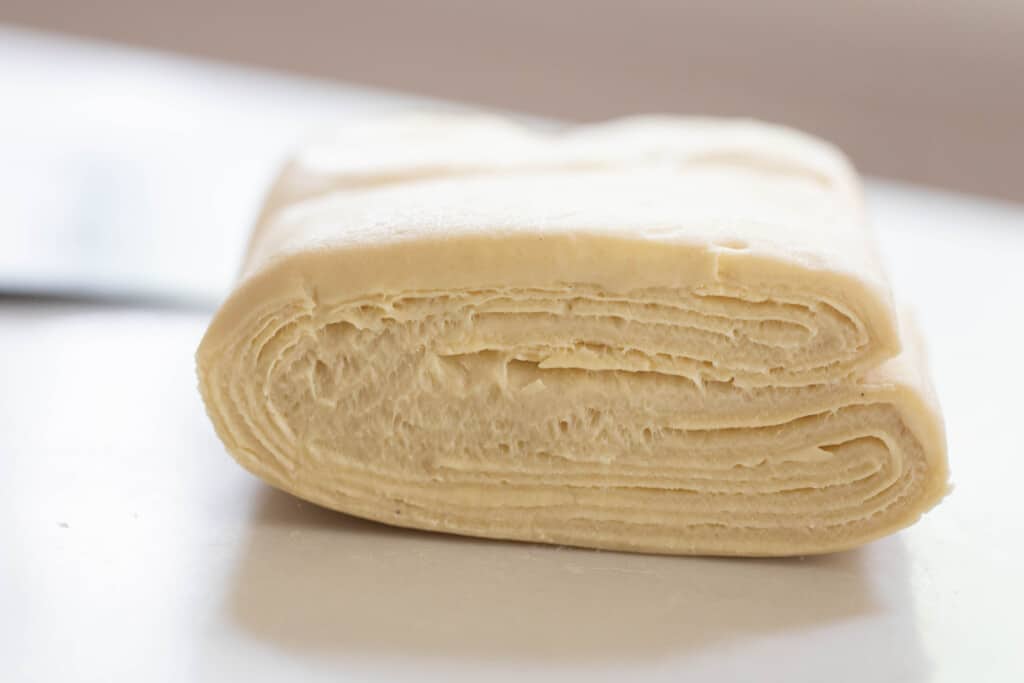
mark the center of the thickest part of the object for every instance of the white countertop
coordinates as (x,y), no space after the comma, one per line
(132,548)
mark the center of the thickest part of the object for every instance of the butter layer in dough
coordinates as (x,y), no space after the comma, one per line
(655,335)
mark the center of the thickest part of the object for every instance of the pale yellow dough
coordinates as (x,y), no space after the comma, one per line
(660,335)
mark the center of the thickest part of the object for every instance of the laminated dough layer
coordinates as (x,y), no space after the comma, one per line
(656,335)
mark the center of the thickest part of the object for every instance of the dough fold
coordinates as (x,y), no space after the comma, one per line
(659,335)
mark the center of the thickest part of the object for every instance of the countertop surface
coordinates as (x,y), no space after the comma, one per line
(133,548)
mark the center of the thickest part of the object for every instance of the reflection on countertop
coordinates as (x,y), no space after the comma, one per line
(318,582)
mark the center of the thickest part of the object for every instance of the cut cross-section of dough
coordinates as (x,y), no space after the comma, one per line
(659,335)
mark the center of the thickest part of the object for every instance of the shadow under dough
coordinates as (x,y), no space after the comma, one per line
(316,581)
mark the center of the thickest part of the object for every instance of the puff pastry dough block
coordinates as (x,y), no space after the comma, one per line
(659,335)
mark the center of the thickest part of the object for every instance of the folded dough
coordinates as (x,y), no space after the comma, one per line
(660,335)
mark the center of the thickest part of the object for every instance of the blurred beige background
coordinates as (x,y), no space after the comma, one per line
(931,92)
